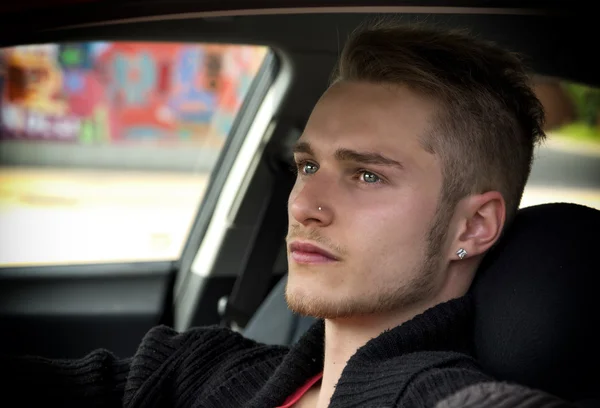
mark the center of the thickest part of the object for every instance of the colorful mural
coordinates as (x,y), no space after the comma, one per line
(124,92)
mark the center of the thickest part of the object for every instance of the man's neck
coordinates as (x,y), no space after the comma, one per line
(343,337)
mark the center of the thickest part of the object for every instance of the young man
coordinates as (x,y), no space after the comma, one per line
(410,166)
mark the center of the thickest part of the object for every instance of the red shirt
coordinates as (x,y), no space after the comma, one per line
(295,397)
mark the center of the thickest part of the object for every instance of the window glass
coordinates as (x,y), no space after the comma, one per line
(567,165)
(106,147)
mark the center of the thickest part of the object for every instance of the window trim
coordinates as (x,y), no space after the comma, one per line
(252,131)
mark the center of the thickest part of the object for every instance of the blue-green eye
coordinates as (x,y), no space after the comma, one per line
(309,168)
(369,177)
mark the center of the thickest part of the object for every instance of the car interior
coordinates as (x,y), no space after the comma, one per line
(534,292)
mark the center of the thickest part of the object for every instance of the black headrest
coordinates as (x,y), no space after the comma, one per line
(536,295)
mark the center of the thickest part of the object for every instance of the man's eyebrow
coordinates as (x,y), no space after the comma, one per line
(366,158)
(352,155)
(303,147)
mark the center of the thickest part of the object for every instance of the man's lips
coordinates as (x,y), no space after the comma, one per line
(306,253)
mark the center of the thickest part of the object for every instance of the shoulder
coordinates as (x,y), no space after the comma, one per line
(494,394)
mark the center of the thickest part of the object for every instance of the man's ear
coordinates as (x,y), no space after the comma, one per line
(482,218)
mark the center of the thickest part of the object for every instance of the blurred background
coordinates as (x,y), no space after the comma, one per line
(106,148)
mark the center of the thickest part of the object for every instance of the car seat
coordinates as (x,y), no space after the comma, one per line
(535,300)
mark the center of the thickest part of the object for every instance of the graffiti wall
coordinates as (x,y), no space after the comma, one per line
(124,93)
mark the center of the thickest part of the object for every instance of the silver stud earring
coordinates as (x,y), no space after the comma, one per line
(461,253)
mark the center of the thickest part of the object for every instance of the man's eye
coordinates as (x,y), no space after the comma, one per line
(308,168)
(368,177)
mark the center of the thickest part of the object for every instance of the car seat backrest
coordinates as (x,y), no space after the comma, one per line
(273,323)
(536,300)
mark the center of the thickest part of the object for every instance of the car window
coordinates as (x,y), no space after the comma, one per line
(106,148)
(567,165)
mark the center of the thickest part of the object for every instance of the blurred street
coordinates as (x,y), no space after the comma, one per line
(50,216)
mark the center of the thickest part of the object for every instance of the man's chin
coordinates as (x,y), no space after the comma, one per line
(309,308)
(305,302)
(319,305)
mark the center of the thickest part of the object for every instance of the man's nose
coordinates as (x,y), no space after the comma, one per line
(311,204)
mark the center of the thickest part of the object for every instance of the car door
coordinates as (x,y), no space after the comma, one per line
(115,159)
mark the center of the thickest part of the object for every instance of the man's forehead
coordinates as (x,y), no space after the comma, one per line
(349,102)
(385,96)
(369,120)
(365,110)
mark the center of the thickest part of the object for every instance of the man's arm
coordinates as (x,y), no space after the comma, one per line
(96,380)
(158,374)
(99,379)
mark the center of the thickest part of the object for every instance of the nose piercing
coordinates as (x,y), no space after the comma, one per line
(319,208)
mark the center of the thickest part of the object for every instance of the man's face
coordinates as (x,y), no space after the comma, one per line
(363,204)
